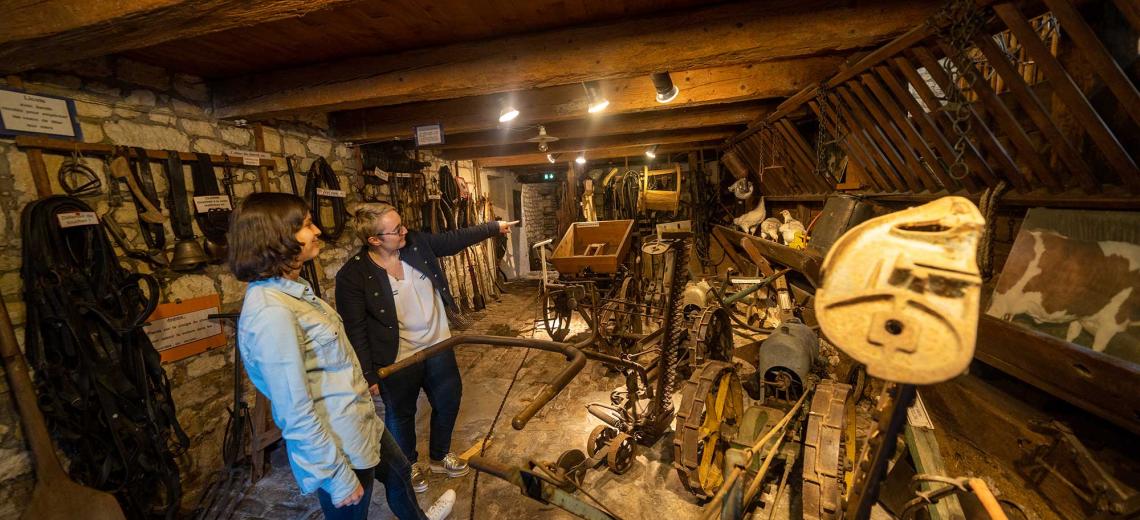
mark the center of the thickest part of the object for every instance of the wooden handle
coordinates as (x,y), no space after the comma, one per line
(47,465)
(993,508)
(122,170)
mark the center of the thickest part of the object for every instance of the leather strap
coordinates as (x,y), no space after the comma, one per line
(153,234)
(99,380)
(321,175)
(179,210)
(216,222)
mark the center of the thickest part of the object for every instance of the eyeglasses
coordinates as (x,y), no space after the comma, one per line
(399,231)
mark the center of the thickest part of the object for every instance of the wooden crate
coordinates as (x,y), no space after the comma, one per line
(609,239)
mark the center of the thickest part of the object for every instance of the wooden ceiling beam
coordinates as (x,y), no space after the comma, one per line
(47,32)
(721,35)
(613,124)
(635,152)
(698,87)
(572,146)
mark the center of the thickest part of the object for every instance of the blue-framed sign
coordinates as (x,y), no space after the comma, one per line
(427,135)
(22,113)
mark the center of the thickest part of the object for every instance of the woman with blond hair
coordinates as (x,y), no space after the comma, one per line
(393,296)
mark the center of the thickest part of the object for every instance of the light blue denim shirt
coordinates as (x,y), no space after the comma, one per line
(296,352)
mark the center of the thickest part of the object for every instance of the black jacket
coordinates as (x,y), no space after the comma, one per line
(364,295)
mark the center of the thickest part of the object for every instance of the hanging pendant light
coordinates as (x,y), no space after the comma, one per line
(552,157)
(581,159)
(651,152)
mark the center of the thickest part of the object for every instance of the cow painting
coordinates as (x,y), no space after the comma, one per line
(1092,286)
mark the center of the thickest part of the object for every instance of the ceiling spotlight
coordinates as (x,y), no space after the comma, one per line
(581,159)
(651,152)
(666,90)
(508,112)
(598,102)
(552,157)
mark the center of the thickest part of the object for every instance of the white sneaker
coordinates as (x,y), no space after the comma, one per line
(442,507)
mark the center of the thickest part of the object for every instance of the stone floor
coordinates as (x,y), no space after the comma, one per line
(649,489)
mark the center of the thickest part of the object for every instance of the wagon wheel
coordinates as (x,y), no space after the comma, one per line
(711,336)
(711,409)
(824,452)
(622,451)
(570,463)
(599,438)
(556,314)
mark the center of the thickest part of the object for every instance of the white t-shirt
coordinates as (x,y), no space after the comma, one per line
(419,307)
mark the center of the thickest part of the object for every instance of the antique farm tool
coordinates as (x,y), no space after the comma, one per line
(901,292)
(121,169)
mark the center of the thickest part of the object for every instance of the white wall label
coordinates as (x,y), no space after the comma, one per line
(21,112)
(427,135)
(916,415)
(77,218)
(249,157)
(322,192)
(180,329)
(205,203)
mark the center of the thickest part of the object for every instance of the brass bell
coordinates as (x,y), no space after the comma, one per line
(188,254)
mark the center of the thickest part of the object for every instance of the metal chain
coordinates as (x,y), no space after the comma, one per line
(820,165)
(957,22)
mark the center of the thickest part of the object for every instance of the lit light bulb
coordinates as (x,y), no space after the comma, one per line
(508,113)
(581,159)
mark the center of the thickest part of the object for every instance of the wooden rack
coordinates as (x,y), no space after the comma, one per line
(35,146)
(895,145)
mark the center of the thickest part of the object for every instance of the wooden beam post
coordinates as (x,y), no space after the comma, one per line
(719,35)
(46,32)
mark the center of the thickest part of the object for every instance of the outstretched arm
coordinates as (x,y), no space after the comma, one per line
(452,242)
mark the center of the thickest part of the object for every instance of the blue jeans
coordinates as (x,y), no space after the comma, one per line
(438,376)
(356,512)
(395,472)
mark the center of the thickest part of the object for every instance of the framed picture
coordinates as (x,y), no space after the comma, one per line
(1075,275)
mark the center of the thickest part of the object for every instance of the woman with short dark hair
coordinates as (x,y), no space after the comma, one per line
(296,352)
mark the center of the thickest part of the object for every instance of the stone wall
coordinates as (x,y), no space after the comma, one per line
(540,215)
(128,103)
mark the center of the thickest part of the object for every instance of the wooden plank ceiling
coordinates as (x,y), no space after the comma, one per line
(380,67)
